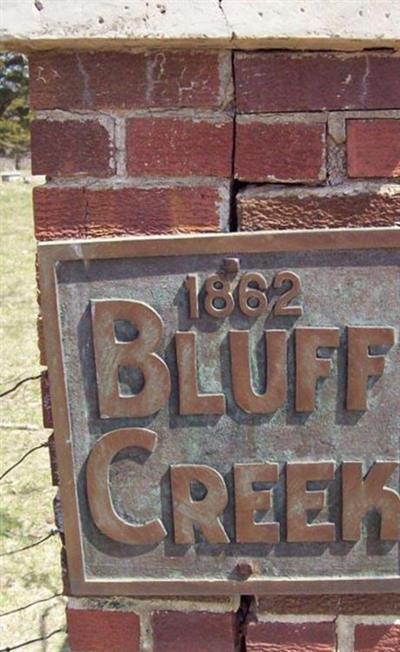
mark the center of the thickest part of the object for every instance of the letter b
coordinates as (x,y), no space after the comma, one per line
(111,354)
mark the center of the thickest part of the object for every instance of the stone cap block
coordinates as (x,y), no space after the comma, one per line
(246,24)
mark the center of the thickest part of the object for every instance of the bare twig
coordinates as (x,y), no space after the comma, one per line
(31,545)
(5,425)
(45,444)
(30,604)
(18,384)
(33,640)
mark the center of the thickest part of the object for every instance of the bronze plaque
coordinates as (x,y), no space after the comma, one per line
(226,411)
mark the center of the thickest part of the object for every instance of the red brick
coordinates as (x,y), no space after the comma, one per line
(197,79)
(153,210)
(287,152)
(103,631)
(66,586)
(58,516)
(40,339)
(317,208)
(62,148)
(59,213)
(64,213)
(55,478)
(128,80)
(179,147)
(174,631)
(46,400)
(373,148)
(389,603)
(282,81)
(290,637)
(86,80)
(377,638)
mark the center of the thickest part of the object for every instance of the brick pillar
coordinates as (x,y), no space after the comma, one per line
(155,142)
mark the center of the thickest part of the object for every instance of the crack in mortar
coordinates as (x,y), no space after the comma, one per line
(87,95)
(232,32)
(244,615)
(120,146)
(146,633)
(86,212)
(336,171)
(364,81)
(153,62)
(233,212)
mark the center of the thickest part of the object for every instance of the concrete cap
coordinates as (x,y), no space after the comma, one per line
(27,25)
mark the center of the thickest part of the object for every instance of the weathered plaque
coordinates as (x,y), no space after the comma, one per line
(226,411)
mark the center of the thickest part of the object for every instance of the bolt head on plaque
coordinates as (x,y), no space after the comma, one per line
(231,265)
(244,569)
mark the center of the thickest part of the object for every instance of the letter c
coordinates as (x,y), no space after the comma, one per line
(98,491)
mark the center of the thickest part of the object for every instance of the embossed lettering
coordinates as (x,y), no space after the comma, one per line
(98,490)
(248,501)
(190,400)
(300,500)
(204,513)
(361,364)
(362,494)
(275,393)
(310,367)
(111,354)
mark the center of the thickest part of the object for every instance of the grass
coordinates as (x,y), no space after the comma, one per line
(26,494)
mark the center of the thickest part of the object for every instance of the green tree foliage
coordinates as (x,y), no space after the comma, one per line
(14,105)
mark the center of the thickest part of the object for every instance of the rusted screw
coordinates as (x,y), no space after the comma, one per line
(231,265)
(244,569)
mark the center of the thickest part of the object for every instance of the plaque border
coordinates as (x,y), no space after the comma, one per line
(53,252)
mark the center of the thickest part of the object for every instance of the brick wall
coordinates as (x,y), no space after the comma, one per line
(198,141)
